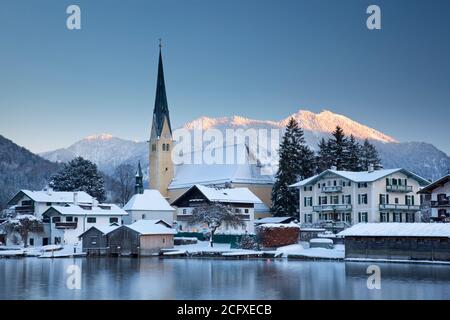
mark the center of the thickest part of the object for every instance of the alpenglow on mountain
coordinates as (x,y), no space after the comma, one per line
(420,157)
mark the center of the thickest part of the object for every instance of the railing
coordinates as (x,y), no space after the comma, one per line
(399,188)
(332,189)
(333,207)
(440,203)
(399,207)
(24,209)
(65,225)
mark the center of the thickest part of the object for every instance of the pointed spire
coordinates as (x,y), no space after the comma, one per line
(139,185)
(161,110)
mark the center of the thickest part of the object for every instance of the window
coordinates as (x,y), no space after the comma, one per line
(31,241)
(56,219)
(410,217)
(347,199)
(57,240)
(362,198)
(322,200)
(388,182)
(318,186)
(362,184)
(26,203)
(384,198)
(362,216)
(384,217)
(335,200)
(91,220)
(113,220)
(184,211)
(143,216)
(237,210)
(69,219)
(394,181)
(348,217)
(323,216)
(163,240)
(163,147)
(246,211)
(48,204)
(153,147)
(397,217)
(307,201)
(396,200)
(334,183)
(308,218)
(167,147)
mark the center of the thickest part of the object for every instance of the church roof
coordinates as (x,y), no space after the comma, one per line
(161,109)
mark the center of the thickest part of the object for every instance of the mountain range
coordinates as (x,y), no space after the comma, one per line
(420,157)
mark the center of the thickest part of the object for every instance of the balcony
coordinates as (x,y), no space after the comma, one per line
(440,203)
(400,207)
(24,209)
(330,189)
(332,207)
(65,225)
(398,188)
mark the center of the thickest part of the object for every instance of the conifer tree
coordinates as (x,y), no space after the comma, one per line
(338,149)
(296,162)
(369,156)
(323,157)
(80,175)
(353,155)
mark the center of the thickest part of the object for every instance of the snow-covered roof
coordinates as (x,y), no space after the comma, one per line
(235,195)
(436,184)
(273,220)
(147,227)
(187,175)
(361,176)
(279,225)
(102,209)
(150,200)
(106,229)
(398,230)
(54,196)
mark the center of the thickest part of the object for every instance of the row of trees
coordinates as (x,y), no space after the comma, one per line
(298,161)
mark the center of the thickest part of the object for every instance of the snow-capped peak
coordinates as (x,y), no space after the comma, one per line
(323,122)
(102,136)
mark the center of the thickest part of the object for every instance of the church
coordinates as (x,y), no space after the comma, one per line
(174,180)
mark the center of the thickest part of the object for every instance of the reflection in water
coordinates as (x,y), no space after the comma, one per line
(153,278)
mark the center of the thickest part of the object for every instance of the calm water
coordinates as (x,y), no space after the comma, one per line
(153,278)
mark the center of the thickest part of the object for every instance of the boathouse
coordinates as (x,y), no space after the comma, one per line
(398,241)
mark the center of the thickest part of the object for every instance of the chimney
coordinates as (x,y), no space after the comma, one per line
(94,202)
(371,168)
(75,198)
(333,168)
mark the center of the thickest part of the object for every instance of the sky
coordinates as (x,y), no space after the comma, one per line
(254,58)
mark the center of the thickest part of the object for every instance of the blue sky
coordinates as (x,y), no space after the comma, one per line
(258,59)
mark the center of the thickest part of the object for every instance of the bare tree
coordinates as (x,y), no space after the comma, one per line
(124,175)
(214,215)
(23,225)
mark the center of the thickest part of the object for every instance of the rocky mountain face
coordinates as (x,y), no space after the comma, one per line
(422,158)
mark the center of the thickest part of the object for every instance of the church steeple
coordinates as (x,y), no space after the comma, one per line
(161,109)
(161,141)
(139,186)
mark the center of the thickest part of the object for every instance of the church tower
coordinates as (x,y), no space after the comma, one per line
(161,142)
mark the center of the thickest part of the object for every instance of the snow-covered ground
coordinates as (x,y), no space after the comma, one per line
(338,252)
(50,251)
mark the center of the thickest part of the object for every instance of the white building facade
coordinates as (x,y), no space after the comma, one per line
(67,223)
(353,197)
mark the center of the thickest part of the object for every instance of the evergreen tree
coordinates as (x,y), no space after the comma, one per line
(296,162)
(338,149)
(353,155)
(369,156)
(323,157)
(80,175)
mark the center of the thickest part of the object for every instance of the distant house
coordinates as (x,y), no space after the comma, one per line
(68,222)
(150,205)
(440,198)
(398,241)
(37,202)
(95,239)
(387,195)
(240,200)
(143,237)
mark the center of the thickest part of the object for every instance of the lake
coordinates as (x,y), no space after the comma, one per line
(154,278)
